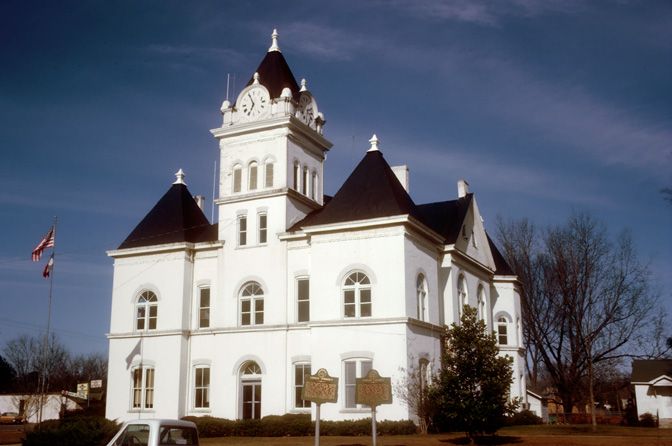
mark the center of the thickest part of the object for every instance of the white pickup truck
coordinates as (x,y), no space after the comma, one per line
(155,433)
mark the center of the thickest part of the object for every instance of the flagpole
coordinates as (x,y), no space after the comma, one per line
(45,358)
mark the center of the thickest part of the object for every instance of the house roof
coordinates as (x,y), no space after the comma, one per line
(371,191)
(174,218)
(501,265)
(446,217)
(647,370)
(275,74)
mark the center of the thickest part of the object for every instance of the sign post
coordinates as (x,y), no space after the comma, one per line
(373,390)
(320,388)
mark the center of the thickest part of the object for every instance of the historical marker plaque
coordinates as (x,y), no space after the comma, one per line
(320,388)
(373,389)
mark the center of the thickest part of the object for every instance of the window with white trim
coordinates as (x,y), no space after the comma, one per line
(250,391)
(481,303)
(357,296)
(237,177)
(421,288)
(269,174)
(146,310)
(201,387)
(203,307)
(313,189)
(252,304)
(424,375)
(305,184)
(353,369)
(303,299)
(242,230)
(143,388)
(252,176)
(502,331)
(263,229)
(297,175)
(301,373)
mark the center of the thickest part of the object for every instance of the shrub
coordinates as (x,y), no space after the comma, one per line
(295,425)
(647,420)
(522,418)
(72,431)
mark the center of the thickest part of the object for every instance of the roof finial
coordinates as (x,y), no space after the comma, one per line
(256,78)
(374,144)
(304,85)
(274,43)
(180,177)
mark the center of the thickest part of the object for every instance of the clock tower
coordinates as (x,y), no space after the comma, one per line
(272,153)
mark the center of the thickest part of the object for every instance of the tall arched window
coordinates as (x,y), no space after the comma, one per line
(252,304)
(421,288)
(481,303)
(237,177)
(250,391)
(269,174)
(502,331)
(297,175)
(146,311)
(357,296)
(306,181)
(313,188)
(424,374)
(462,297)
(252,175)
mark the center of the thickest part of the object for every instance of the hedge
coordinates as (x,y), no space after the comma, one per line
(295,425)
(72,431)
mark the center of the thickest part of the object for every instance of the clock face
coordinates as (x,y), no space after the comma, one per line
(254,104)
(306,109)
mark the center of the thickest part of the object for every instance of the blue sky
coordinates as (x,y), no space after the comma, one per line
(545,106)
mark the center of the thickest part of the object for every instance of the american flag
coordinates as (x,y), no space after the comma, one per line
(47,242)
(48,267)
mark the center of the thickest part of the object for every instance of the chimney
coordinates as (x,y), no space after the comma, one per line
(200,201)
(462,188)
(401,173)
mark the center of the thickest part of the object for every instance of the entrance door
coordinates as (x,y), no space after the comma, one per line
(251,400)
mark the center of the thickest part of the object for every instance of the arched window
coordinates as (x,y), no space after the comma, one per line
(481,304)
(252,304)
(252,175)
(424,375)
(306,181)
(421,287)
(462,297)
(250,391)
(297,175)
(313,189)
(237,177)
(357,296)
(146,311)
(269,174)
(502,331)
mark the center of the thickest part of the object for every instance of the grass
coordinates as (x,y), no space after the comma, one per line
(547,435)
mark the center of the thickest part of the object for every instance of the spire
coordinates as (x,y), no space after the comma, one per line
(274,43)
(179,175)
(304,85)
(374,144)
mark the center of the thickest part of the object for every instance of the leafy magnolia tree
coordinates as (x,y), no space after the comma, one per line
(471,393)
(586,304)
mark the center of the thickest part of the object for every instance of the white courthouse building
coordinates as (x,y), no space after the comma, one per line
(227,319)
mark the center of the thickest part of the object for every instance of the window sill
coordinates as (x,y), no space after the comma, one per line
(141,411)
(201,410)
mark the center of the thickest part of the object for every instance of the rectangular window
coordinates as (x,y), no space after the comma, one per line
(258,311)
(297,174)
(304,185)
(242,230)
(303,300)
(262,229)
(353,369)
(301,373)
(349,306)
(245,306)
(202,387)
(313,190)
(269,175)
(237,174)
(143,388)
(204,308)
(502,335)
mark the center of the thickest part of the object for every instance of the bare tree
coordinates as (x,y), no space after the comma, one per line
(413,389)
(27,355)
(586,302)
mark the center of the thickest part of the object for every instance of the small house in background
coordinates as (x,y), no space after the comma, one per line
(538,405)
(652,380)
(28,405)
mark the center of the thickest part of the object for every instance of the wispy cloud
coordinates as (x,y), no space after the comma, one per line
(483,12)
(327,42)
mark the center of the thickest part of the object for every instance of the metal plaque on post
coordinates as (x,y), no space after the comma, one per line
(320,388)
(373,390)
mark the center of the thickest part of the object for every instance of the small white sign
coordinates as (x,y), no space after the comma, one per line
(96,383)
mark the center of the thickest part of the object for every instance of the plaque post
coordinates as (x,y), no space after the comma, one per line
(371,391)
(374,432)
(317,424)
